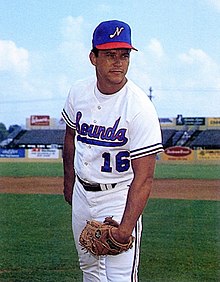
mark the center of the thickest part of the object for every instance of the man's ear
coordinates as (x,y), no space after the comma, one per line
(92,58)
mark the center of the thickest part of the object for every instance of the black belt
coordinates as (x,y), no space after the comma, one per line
(96,187)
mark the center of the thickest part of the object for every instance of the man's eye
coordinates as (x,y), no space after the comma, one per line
(110,55)
(126,56)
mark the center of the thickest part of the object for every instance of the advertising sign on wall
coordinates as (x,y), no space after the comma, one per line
(39,153)
(12,153)
(177,153)
(40,120)
(213,121)
(180,120)
(208,155)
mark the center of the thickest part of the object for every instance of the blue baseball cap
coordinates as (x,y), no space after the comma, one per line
(112,35)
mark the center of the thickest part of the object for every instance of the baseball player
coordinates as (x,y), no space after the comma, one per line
(110,146)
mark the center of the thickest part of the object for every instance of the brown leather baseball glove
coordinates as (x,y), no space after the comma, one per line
(97,238)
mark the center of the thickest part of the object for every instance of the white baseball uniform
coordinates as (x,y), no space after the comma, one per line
(111,130)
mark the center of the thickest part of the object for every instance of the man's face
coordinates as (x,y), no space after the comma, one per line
(111,68)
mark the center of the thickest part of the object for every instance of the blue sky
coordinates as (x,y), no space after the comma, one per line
(44,47)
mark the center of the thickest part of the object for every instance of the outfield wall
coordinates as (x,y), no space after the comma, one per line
(172,154)
(31,155)
(184,154)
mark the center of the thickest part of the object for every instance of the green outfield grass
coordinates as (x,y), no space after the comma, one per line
(25,169)
(179,243)
(36,239)
(190,171)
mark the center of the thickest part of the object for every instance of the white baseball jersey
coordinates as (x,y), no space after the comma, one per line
(111,130)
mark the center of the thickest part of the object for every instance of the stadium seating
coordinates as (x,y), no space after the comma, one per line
(16,133)
(41,137)
(194,138)
(207,139)
(167,135)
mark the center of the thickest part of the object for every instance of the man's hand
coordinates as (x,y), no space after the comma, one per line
(120,237)
(116,232)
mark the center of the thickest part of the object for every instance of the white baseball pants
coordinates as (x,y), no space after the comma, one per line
(96,206)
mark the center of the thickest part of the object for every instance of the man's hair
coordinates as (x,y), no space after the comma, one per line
(95,51)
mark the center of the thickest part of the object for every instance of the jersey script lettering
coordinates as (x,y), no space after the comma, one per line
(100,135)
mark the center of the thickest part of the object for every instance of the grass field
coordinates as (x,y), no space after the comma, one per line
(180,239)
(190,171)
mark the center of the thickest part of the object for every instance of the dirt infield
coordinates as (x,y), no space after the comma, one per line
(163,188)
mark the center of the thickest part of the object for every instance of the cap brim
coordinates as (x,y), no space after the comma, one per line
(115,45)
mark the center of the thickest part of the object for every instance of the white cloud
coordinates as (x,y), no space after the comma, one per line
(72,28)
(181,84)
(156,48)
(73,47)
(215,4)
(203,71)
(197,56)
(139,69)
(104,8)
(13,58)
(149,66)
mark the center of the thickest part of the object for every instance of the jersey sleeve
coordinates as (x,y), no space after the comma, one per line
(68,113)
(145,134)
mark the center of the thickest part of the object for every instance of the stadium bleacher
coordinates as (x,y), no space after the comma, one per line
(207,139)
(45,138)
(167,135)
(12,136)
(42,137)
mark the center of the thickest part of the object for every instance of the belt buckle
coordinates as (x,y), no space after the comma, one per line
(105,187)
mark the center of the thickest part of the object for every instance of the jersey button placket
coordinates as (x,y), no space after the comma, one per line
(95,114)
(87,159)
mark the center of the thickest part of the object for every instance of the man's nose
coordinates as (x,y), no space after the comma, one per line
(117,61)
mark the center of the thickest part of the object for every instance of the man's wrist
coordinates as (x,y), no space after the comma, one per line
(121,234)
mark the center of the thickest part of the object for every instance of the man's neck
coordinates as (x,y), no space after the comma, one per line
(111,89)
